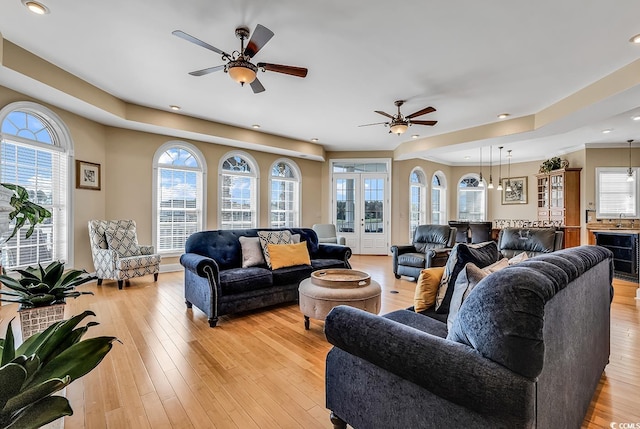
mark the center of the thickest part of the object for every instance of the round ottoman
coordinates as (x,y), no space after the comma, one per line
(317,300)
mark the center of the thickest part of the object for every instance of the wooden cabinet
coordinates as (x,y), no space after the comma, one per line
(558,197)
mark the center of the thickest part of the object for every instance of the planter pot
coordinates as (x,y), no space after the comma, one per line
(37,319)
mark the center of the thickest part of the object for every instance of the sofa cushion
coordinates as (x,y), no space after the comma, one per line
(238,280)
(412,260)
(427,288)
(481,254)
(288,255)
(518,258)
(320,264)
(467,280)
(273,237)
(291,275)
(251,252)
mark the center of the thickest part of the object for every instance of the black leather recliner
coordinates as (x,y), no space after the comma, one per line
(430,248)
(534,241)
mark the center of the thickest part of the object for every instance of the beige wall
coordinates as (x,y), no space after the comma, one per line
(126,158)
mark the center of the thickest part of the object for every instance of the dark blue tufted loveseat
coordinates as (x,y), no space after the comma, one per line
(216,283)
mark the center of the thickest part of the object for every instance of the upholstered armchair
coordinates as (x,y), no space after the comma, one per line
(534,241)
(117,254)
(327,234)
(430,248)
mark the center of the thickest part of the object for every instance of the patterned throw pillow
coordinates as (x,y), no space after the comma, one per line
(123,241)
(272,237)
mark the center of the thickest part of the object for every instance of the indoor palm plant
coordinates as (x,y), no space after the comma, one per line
(42,365)
(24,211)
(40,287)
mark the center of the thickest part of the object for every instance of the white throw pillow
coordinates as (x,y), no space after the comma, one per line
(251,252)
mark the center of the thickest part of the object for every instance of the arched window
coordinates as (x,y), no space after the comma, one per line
(285,194)
(471,198)
(417,200)
(35,152)
(238,191)
(179,195)
(438,199)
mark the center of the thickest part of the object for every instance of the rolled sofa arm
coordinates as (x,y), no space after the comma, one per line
(436,257)
(200,264)
(334,251)
(453,371)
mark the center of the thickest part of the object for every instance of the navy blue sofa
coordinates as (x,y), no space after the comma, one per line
(526,350)
(216,283)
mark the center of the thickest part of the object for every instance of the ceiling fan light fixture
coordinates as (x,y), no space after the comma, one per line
(242,71)
(399,128)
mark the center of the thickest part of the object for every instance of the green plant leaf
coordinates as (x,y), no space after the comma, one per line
(35,393)
(43,412)
(77,360)
(53,273)
(12,376)
(55,335)
(8,349)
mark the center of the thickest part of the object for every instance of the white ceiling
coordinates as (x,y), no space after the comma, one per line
(471,60)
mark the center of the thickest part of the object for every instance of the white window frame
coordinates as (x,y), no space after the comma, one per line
(61,142)
(297,185)
(201,202)
(254,175)
(481,189)
(420,188)
(442,190)
(632,211)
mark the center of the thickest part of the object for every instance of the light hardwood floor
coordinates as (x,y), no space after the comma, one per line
(260,369)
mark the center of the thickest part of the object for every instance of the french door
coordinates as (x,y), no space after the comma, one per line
(361,211)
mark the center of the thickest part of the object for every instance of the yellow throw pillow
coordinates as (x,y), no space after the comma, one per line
(288,255)
(427,288)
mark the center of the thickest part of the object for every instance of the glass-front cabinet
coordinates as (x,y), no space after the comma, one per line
(559,202)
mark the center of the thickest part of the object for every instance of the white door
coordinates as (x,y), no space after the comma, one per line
(360,211)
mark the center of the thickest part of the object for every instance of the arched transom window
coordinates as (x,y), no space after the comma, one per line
(35,148)
(285,194)
(238,192)
(179,195)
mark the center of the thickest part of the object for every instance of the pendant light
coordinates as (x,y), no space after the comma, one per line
(490,167)
(499,188)
(509,189)
(481,185)
(630,170)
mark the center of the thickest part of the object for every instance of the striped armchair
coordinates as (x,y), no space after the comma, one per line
(117,254)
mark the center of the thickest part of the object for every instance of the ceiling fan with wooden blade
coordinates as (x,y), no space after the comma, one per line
(238,63)
(399,123)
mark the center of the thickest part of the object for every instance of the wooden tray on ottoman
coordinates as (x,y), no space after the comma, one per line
(340,278)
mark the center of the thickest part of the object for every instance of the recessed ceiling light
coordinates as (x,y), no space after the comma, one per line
(503,115)
(467,157)
(636,118)
(635,39)
(607,131)
(314,140)
(415,136)
(256,126)
(174,107)
(35,7)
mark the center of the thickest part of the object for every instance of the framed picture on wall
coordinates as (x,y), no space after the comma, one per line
(87,175)
(518,190)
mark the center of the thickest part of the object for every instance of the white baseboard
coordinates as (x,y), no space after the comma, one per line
(169,268)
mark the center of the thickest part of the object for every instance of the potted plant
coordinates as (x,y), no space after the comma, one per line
(43,365)
(41,293)
(24,211)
